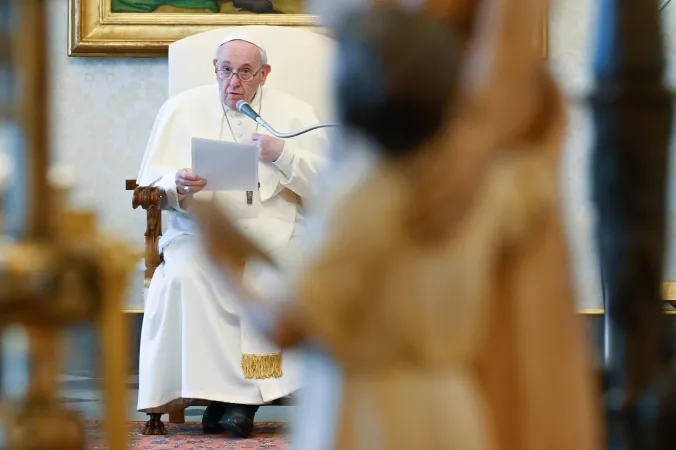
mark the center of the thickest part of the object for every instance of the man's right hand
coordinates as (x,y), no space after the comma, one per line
(189,183)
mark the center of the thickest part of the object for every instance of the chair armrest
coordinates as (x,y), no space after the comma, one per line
(150,199)
(147,197)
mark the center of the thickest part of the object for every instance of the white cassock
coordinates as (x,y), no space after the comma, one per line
(196,341)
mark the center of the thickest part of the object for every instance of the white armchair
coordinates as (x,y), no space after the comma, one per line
(301,62)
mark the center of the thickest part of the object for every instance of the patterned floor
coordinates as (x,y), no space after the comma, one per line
(82,394)
(80,391)
(267,436)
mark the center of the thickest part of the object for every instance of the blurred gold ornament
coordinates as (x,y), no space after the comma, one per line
(56,268)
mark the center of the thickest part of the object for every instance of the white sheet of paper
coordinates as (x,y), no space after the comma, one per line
(227,166)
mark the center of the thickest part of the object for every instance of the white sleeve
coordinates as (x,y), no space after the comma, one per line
(302,158)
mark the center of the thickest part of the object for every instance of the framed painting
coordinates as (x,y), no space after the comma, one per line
(145,28)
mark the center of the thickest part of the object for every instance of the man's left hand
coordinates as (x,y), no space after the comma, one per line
(269,148)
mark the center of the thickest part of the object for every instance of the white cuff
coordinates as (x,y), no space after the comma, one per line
(285,161)
(168,184)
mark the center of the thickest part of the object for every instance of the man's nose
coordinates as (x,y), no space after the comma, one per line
(234,80)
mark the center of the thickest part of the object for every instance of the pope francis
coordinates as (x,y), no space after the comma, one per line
(195,341)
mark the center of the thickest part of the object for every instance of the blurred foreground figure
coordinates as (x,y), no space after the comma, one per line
(411,317)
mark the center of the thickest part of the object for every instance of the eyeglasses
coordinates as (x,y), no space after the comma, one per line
(243,74)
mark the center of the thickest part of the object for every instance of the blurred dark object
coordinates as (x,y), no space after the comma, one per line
(632,113)
(5,101)
(5,52)
(401,107)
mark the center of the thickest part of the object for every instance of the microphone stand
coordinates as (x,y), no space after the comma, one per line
(247,110)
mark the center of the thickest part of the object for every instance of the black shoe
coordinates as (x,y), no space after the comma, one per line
(240,420)
(212,415)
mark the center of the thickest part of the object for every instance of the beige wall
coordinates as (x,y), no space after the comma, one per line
(103,110)
(102,113)
(570,40)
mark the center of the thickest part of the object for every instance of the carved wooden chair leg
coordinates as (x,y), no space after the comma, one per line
(177,416)
(154,426)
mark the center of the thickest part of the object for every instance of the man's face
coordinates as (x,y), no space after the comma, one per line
(244,59)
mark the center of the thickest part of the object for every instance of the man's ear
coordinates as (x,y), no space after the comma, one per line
(215,62)
(265,71)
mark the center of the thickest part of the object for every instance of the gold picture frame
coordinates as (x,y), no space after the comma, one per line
(94,30)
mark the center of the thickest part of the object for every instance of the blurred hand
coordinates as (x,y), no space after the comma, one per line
(189,183)
(269,148)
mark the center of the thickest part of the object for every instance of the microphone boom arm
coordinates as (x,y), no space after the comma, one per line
(276,133)
(246,109)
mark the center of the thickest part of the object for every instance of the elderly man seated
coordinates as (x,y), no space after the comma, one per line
(195,343)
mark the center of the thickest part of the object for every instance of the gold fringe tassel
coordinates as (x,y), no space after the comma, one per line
(261,367)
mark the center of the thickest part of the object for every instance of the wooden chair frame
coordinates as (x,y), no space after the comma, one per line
(150,200)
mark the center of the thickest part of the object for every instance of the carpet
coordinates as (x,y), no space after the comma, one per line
(268,436)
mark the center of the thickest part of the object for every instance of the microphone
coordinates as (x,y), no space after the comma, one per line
(246,109)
